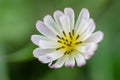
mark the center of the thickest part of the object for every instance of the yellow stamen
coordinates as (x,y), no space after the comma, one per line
(68,42)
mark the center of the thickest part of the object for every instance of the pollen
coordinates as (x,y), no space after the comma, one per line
(68,42)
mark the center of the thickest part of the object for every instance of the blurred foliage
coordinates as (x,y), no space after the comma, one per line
(17,24)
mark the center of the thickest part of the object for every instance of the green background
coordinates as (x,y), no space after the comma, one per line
(17,24)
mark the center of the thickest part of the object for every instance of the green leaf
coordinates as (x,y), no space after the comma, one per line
(22,55)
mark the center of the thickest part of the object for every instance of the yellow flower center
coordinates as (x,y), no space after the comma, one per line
(68,42)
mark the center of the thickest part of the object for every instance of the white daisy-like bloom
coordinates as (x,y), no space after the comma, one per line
(64,42)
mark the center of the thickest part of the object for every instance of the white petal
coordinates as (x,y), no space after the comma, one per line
(59,63)
(48,20)
(79,59)
(84,14)
(44,59)
(65,22)
(91,26)
(82,26)
(70,13)
(42,28)
(87,50)
(87,47)
(70,62)
(45,44)
(89,55)
(89,30)
(35,39)
(57,15)
(40,52)
(49,57)
(95,37)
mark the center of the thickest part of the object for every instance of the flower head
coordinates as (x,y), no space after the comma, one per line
(64,42)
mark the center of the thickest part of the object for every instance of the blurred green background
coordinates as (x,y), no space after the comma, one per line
(17,24)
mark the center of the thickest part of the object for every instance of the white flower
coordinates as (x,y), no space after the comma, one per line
(64,41)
